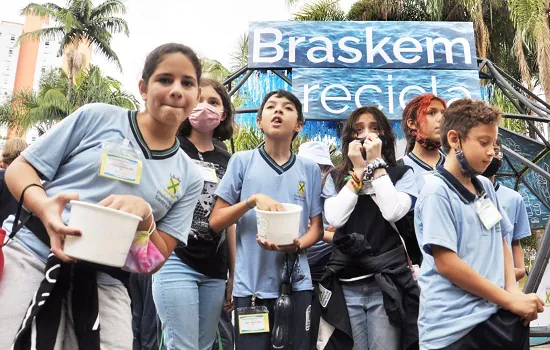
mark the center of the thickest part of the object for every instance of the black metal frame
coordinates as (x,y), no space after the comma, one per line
(245,73)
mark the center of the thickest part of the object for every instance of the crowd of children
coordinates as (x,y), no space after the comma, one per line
(392,253)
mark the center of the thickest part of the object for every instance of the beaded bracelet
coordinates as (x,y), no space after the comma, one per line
(356,185)
(355,177)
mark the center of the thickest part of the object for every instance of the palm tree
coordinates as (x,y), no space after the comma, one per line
(47,106)
(239,56)
(214,69)
(389,10)
(321,10)
(92,86)
(80,23)
(532,29)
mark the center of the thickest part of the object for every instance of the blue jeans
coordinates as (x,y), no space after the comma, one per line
(369,323)
(189,305)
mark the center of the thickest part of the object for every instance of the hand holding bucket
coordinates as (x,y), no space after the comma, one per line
(107,233)
(279,230)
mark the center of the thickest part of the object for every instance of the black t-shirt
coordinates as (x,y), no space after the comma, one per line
(8,204)
(206,250)
(367,219)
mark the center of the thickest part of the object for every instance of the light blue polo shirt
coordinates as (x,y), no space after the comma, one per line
(69,156)
(321,248)
(445,215)
(421,169)
(299,182)
(514,206)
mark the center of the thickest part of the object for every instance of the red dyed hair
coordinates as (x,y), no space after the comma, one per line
(416,111)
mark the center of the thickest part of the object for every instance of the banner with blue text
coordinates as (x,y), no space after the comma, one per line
(405,45)
(339,66)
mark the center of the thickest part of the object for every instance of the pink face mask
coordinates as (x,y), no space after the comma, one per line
(143,256)
(204,117)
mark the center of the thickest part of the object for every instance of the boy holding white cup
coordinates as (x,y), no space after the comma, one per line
(264,178)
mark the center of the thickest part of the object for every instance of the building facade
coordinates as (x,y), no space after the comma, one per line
(22,64)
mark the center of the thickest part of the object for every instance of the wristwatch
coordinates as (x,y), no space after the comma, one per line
(375,164)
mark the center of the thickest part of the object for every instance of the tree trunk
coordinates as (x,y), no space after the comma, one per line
(70,84)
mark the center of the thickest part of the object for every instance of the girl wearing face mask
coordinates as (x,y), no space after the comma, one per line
(420,123)
(421,118)
(189,289)
(368,261)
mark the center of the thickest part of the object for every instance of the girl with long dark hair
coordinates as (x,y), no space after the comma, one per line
(368,259)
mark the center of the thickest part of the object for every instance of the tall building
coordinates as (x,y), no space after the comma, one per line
(9,55)
(22,65)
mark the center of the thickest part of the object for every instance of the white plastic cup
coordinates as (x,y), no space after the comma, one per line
(279,227)
(107,234)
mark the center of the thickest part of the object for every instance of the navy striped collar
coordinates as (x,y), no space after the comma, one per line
(425,165)
(280,169)
(147,152)
(465,195)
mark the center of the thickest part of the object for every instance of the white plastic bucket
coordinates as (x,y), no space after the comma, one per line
(107,234)
(279,227)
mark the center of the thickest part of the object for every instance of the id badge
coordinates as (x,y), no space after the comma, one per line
(367,189)
(121,162)
(207,170)
(253,319)
(487,212)
(324,295)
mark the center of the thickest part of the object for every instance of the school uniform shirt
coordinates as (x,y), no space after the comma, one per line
(446,216)
(298,181)
(320,250)
(69,156)
(422,170)
(514,206)
(206,250)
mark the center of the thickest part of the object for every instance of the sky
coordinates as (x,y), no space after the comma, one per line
(210,27)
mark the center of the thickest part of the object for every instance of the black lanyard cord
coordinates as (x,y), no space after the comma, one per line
(16,225)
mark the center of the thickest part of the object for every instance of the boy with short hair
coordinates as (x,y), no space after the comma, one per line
(265,178)
(467,279)
(514,206)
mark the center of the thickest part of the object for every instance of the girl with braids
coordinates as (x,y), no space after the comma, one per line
(368,260)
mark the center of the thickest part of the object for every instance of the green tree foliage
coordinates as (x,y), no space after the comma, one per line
(50,104)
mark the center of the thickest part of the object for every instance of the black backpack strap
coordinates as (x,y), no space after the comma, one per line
(26,215)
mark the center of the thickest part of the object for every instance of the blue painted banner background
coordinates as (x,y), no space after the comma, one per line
(292,44)
(331,94)
(537,210)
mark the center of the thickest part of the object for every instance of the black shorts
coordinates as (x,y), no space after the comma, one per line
(301,302)
(502,331)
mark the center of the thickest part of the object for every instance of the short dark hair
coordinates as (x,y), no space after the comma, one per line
(498,142)
(465,114)
(282,94)
(224,131)
(155,57)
